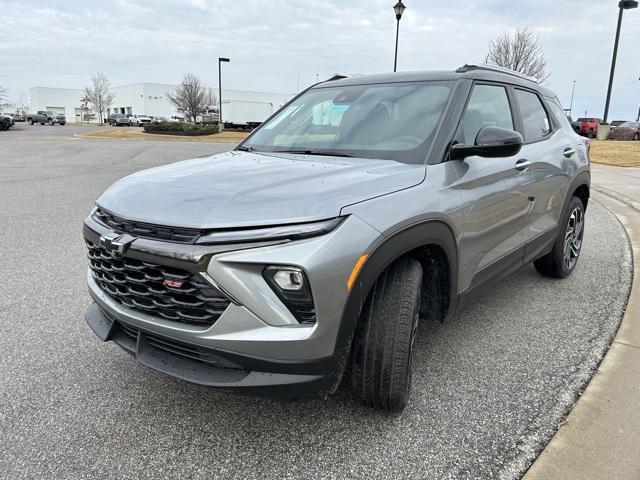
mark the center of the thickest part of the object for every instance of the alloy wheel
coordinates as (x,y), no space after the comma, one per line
(573,237)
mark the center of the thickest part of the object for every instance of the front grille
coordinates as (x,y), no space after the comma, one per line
(147,230)
(142,286)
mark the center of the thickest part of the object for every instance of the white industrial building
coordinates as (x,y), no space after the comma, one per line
(149,99)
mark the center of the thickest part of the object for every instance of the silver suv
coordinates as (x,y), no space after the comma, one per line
(311,252)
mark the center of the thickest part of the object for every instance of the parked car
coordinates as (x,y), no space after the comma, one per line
(271,268)
(626,131)
(19,117)
(118,119)
(46,116)
(142,119)
(6,121)
(589,126)
(616,123)
(211,115)
(133,120)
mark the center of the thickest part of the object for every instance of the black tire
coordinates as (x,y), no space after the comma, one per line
(383,343)
(62,124)
(30,121)
(560,262)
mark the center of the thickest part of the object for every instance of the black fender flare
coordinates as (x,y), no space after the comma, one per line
(431,232)
(582,178)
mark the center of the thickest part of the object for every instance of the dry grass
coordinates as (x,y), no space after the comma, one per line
(616,152)
(136,133)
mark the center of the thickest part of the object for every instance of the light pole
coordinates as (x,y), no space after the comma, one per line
(220,60)
(623,5)
(398,8)
(572,92)
(638,118)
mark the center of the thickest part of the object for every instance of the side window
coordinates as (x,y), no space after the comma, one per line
(488,106)
(534,117)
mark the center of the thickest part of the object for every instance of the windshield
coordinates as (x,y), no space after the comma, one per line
(630,125)
(395,121)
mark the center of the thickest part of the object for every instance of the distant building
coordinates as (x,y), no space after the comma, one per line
(141,99)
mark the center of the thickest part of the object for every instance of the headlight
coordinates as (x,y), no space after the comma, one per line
(282,232)
(292,287)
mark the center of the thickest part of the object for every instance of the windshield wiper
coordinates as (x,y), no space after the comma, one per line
(324,153)
(242,148)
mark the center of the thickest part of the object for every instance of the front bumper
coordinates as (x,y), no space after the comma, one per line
(256,345)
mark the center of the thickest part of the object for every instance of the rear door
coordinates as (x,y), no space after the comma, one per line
(496,206)
(547,153)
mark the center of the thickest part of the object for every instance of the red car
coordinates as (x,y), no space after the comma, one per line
(626,131)
(589,126)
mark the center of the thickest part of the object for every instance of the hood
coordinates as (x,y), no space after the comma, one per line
(241,189)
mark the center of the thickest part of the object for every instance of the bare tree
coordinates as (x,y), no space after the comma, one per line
(99,94)
(191,97)
(520,52)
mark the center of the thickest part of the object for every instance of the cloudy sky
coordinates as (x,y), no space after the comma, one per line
(59,43)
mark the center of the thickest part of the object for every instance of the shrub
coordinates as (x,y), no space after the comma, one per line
(180,128)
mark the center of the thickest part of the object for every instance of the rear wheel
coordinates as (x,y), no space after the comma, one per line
(384,340)
(30,121)
(562,259)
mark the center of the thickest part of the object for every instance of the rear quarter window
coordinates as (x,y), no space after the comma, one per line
(557,112)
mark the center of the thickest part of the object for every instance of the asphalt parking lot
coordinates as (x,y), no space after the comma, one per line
(489,390)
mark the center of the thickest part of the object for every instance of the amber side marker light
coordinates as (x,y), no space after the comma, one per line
(356,270)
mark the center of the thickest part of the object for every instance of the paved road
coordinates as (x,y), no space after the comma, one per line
(490,386)
(23,131)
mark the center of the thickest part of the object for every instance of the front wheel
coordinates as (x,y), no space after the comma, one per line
(562,259)
(50,122)
(383,345)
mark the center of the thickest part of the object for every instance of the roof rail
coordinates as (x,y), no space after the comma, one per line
(340,76)
(467,67)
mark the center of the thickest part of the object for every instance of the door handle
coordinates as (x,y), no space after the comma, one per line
(522,164)
(569,152)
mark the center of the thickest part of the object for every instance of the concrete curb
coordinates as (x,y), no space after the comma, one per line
(600,436)
(617,196)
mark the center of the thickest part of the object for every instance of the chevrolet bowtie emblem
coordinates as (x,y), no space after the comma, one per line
(116,243)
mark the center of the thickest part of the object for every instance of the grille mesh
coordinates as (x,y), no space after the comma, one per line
(142,286)
(193,352)
(147,230)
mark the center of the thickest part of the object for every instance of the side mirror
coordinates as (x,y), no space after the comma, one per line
(490,142)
